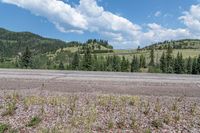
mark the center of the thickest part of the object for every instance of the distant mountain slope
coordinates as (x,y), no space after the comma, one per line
(179,44)
(12,43)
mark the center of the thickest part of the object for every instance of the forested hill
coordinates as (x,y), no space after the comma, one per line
(12,43)
(179,44)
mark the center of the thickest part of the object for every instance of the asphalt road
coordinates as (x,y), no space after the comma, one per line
(101,82)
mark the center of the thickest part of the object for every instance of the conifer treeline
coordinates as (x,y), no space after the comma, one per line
(88,61)
(166,64)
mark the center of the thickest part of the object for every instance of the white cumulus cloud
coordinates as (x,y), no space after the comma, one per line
(191,19)
(88,16)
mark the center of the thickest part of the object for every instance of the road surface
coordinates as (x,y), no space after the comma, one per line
(101,82)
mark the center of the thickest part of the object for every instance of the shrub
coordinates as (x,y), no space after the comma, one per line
(147,130)
(154,69)
(3,127)
(10,109)
(34,121)
(157,123)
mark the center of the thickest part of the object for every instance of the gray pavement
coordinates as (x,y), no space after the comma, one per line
(101,82)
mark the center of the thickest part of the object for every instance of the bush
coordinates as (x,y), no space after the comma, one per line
(3,127)
(157,123)
(154,69)
(10,109)
(34,121)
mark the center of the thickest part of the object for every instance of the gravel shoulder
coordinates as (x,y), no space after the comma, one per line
(101,82)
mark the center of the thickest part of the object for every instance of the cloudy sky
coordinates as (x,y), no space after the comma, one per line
(124,23)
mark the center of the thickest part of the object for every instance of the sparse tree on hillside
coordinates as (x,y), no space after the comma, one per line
(152,56)
(26,59)
(169,59)
(179,64)
(135,67)
(116,63)
(194,66)
(109,63)
(87,60)
(95,63)
(124,65)
(142,61)
(198,65)
(189,66)
(75,61)
(163,63)
(61,66)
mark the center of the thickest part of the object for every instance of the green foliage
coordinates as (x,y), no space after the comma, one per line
(34,121)
(169,59)
(154,69)
(163,63)
(142,61)
(4,127)
(198,65)
(13,43)
(147,130)
(61,66)
(189,66)
(95,55)
(76,61)
(124,65)
(152,56)
(116,63)
(179,64)
(26,59)
(87,60)
(194,66)
(135,66)
(179,44)
(157,123)
(10,109)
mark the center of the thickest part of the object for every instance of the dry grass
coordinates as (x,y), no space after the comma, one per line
(46,112)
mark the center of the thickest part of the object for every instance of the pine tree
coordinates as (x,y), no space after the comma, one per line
(135,64)
(189,66)
(109,63)
(95,63)
(152,56)
(116,63)
(124,65)
(75,61)
(198,65)
(142,61)
(102,64)
(179,64)
(163,63)
(87,60)
(169,59)
(128,65)
(61,66)
(194,66)
(26,58)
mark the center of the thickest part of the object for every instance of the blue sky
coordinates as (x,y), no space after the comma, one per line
(124,24)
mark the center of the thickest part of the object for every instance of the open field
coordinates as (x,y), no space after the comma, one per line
(66,101)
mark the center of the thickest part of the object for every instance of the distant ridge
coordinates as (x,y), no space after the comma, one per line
(176,44)
(11,43)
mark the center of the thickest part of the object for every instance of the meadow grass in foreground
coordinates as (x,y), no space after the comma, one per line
(55,113)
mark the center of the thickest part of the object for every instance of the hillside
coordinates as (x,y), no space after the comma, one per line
(13,43)
(178,44)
